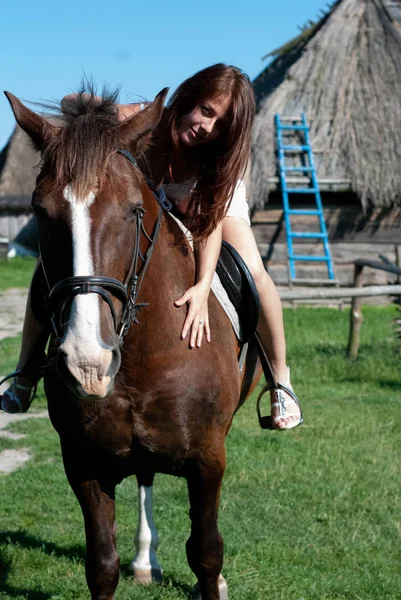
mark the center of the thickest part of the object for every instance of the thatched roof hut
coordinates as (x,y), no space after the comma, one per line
(344,72)
(17,166)
(18,170)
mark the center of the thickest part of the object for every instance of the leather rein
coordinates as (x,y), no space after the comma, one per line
(106,287)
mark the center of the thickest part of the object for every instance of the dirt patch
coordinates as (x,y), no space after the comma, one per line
(10,460)
(12,311)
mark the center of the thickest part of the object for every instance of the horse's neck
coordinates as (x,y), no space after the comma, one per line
(172,265)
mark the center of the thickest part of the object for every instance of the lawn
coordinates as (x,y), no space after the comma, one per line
(311,514)
(16,272)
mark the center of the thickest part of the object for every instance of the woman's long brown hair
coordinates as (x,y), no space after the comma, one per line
(222,161)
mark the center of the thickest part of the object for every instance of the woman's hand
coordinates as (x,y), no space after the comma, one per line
(197,320)
(197,296)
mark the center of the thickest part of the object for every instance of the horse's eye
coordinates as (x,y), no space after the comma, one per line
(131,213)
(35,202)
(38,209)
(36,206)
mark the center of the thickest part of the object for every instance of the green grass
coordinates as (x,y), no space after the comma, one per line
(311,514)
(16,272)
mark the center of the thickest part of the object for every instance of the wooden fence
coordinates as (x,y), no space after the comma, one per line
(356,293)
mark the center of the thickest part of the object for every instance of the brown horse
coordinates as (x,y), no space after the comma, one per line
(155,405)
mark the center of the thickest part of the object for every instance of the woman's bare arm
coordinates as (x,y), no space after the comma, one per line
(197,320)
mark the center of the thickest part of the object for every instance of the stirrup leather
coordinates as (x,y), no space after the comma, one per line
(271,384)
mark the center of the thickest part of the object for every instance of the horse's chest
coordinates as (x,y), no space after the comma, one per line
(126,448)
(111,436)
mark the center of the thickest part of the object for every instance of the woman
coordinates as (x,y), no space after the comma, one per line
(199,154)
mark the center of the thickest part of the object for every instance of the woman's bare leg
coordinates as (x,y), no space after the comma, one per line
(238,233)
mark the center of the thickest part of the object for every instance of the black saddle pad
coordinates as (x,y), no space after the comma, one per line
(240,287)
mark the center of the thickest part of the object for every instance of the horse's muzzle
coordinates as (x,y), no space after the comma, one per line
(88,380)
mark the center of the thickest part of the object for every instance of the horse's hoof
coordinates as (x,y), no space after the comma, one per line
(147,576)
(223,589)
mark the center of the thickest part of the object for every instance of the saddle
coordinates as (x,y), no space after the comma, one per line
(242,292)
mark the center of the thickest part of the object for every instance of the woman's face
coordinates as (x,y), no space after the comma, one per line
(203,124)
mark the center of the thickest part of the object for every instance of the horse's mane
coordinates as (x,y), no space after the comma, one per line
(88,136)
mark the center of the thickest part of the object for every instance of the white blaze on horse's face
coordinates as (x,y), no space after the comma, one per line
(88,358)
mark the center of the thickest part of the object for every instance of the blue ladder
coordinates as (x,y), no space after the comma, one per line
(314,189)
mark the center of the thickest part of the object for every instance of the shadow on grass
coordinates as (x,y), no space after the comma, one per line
(169,581)
(25,540)
(15,592)
(391,384)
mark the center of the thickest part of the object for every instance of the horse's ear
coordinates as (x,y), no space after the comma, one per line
(39,130)
(144,122)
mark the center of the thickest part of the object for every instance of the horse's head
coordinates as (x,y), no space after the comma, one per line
(88,199)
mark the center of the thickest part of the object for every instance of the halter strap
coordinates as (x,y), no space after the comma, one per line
(159,192)
(129,156)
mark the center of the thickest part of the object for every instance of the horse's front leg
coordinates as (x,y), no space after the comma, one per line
(145,565)
(205,545)
(102,561)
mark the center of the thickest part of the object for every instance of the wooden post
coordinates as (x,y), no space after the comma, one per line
(398,263)
(356,317)
(398,260)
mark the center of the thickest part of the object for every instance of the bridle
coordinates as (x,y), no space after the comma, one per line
(126,292)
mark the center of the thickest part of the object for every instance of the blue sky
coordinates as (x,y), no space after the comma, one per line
(142,46)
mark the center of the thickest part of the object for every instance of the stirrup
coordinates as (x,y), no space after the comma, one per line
(271,384)
(268,422)
(16,386)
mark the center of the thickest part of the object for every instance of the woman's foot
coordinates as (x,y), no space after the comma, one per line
(285,409)
(18,397)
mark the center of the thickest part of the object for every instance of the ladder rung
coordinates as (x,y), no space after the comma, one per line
(290,118)
(300,169)
(303,211)
(297,234)
(306,281)
(298,148)
(301,190)
(312,258)
(294,127)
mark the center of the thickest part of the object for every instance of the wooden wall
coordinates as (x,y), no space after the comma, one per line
(352,235)
(15,212)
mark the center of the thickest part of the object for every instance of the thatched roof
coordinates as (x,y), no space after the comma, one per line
(17,166)
(344,72)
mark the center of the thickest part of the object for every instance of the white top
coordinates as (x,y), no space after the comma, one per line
(237,206)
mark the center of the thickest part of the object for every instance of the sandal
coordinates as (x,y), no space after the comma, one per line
(282,395)
(11,395)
